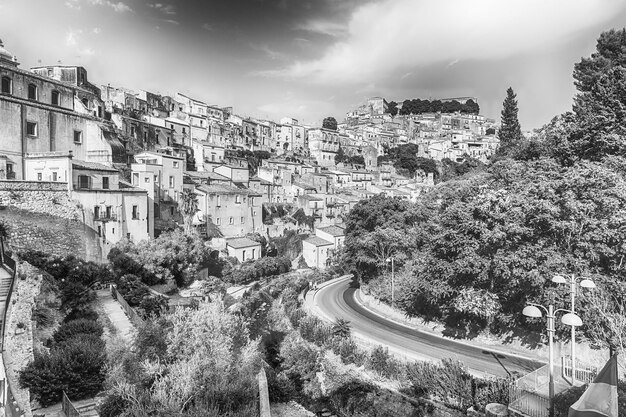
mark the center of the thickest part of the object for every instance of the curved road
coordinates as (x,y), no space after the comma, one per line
(336,300)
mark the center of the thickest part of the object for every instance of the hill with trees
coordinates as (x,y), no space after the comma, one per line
(418,106)
(476,249)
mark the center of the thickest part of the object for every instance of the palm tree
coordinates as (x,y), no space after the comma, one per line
(188,207)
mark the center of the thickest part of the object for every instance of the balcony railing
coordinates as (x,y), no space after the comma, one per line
(10,175)
(103,217)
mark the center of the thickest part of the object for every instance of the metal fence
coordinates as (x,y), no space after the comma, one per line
(130,312)
(68,408)
(584,373)
(529,396)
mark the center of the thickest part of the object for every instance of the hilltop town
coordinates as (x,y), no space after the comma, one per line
(128,156)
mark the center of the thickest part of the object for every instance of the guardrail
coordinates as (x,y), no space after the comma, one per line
(584,373)
(130,312)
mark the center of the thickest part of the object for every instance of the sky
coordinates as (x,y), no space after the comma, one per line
(309,59)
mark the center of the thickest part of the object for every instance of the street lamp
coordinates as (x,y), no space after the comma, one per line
(570,319)
(585,283)
(390,259)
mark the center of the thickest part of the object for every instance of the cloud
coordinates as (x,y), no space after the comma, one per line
(171,21)
(118,7)
(394,36)
(271,54)
(71,37)
(207,26)
(167,9)
(323,27)
(96,31)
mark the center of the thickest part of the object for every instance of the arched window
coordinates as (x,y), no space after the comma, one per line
(32,92)
(7,85)
(56,98)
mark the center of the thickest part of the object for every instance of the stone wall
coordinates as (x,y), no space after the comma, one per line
(19,341)
(51,234)
(40,197)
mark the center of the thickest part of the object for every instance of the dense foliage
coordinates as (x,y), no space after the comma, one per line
(341,157)
(417,106)
(254,158)
(173,255)
(510,133)
(75,364)
(260,268)
(329,123)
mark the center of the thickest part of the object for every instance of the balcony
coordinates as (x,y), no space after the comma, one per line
(104,217)
(10,175)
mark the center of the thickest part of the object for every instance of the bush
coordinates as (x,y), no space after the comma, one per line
(264,267)
(449,382)
(490,391)
(76,366)
(80,327)
(86,313)
(113,406)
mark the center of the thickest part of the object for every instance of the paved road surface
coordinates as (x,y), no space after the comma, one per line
(337,301)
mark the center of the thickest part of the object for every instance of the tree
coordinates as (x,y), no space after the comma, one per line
(610,52)
(392,108)
(341,156)
(189,207)
(510,133)
(329,123)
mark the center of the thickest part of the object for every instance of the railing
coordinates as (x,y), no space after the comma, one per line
(584,373)
(68,408)
(103,217)
(10,175)
(528,395)
(130,312)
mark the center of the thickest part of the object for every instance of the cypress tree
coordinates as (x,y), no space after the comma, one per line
(510,131)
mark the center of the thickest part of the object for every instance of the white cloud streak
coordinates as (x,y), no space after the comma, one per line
(119,7)
(401,35)
(167,9)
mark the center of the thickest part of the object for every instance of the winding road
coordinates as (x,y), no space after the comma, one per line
(337,300)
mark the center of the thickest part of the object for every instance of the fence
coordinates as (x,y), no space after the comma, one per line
(529,394)
(584,373)
(68,408)
(11,407)
(130,312)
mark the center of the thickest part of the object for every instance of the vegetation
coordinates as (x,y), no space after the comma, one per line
(260,268)
(329,123)
(510,133)
(417,106)
(341,157)
(254,158)
(172,256)
(188,207)
(75,364)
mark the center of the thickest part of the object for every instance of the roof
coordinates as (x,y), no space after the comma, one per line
(224,189)
(92,166)
(317,241)
(263,182)
(304,185)
(311,197)
(241,242)
(334,231)
(207,174)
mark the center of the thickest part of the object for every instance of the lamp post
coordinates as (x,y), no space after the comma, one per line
(585,283)
(570,319)
(393,289)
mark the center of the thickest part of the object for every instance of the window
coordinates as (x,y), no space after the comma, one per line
(231,220)
(78,137)
(54,176)
(171,211)
(254,212)
(83,181)
(184,131)
(56,98)
(132,131)
(243,255)
(175,164)
(157,138)
(32,92)
(108,211)
(31,128)
(218,221)
(237,199)
(253,250)
(135,212)
(147,180)
(145,135)
(7,85)
(39,176)
(243,220)
(128,236)
(171,181)
(105,183)
(219,201)
(135,179)
(99,230)
(96,212)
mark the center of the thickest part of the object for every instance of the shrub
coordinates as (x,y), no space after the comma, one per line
(73,328)
(43,316)
(76,366)
(449,382)
(153,305)
(86,313)
(490,391)
(113,406)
